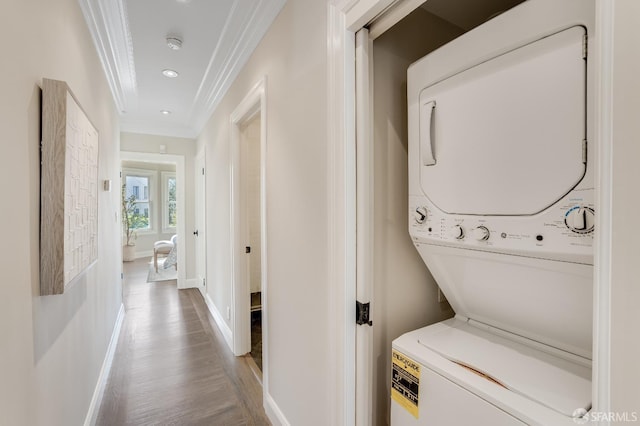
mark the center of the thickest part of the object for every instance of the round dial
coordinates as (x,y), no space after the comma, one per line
(420,215)
(481,233)
(457,232)
(580,219)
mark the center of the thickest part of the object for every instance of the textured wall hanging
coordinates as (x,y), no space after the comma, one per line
(68,189)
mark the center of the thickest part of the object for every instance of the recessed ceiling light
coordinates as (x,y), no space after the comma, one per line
(165,112)
(170,73)
(174,43)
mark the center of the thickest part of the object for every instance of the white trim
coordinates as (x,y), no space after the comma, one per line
(214,85)
(394,14)
(364,11)
(108,24)
(179,161)
(341,204)
(601,375)
(139,171)
(365,229)
(191,283)
(220,322)
(200,218)
(98,392)
(145,253)
(164,197)
(263,238)
(253,103)
(243,30)
(273,412)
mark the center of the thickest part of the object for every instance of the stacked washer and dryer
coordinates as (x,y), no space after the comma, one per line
(501,204)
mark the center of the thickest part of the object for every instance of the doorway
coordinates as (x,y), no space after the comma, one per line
(248,224)
(159,172)
(200,221)
(391,276)
(250,204)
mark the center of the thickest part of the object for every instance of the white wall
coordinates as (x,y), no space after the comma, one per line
(135,142)
(293,56)
(52,346)
(625,277)
(145,240)
(405,294)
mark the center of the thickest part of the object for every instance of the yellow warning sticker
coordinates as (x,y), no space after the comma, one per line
(405,382)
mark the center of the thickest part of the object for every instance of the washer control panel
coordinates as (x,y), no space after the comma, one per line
(579,219)
(564,231)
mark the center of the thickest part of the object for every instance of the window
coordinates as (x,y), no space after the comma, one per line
(169,206)
(137,185)
(155,199)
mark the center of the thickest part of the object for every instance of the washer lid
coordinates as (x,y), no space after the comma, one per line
(506,137)
(554,382)
(542,300)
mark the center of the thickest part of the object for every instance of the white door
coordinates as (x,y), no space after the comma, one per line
(250,214)
(243,169)
(364,235)
(200,219)
(250,200)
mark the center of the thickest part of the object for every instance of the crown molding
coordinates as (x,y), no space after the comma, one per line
(246,27)
(108,24)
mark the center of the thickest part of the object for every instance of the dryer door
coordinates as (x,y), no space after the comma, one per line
(506,137)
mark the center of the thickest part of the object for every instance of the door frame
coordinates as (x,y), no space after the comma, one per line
(254,103)
(345,18)
(365,206)
(201,162)
(179,161)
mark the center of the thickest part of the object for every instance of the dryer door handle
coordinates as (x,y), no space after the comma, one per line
(426,144)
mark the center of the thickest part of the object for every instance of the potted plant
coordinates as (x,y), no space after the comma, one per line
(131,220)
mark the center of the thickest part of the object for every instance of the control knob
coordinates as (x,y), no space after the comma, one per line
(457,232)
(481,233)
(580,219)
(420,215)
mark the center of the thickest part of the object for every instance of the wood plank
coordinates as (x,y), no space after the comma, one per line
(172,365)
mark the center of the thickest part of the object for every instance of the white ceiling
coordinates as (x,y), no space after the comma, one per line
(218,38)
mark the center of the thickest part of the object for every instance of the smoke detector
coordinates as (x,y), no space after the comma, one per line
(174,43)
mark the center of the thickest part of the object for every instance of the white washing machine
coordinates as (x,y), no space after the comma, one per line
(501,204)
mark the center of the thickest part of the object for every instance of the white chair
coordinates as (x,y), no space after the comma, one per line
(163,248)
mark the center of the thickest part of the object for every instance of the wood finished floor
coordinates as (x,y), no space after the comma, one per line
(172,365)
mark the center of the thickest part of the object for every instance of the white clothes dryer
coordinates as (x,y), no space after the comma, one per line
(501,204)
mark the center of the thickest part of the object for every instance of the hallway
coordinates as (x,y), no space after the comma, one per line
(172,366)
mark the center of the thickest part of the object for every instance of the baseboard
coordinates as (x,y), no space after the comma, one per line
(146,253)
(273,412)
(222,325)
(191,283)
(92,413)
